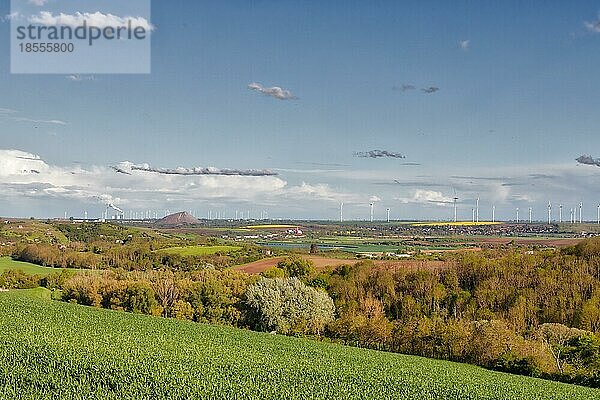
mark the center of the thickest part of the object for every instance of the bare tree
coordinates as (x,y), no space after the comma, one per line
(166,290)
(556,337)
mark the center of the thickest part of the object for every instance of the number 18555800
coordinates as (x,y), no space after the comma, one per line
(46,47)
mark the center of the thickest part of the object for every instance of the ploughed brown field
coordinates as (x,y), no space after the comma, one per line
(259,266)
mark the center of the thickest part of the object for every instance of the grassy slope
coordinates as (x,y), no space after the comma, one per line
(56,350)
(31,231)
(7,263)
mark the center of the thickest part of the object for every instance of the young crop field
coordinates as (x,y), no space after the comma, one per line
(56,350)
(198,250)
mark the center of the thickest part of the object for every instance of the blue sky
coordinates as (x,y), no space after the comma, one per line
(515,107)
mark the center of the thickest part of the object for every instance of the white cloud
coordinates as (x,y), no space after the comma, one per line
(275,91)
(593,26)
(307,191)
(464,44)
(26,174)
(8,114)
(424,196)
(430,196)
(40,121)
(38,3)
(96,19)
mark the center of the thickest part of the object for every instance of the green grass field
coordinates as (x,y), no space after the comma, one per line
(8,264)
(53,350)
(198,250)
(355,245)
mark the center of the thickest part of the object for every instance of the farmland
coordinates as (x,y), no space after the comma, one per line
(198,250)
(135,356)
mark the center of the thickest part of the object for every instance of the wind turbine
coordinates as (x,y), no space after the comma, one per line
(455,199)
(517,215)
(371,205)
(572,217)
(580,212)
(598,213)
(494,213)
(560,207)
(477,206)
(530,214)
(388,214)
(549,212)
(342,211)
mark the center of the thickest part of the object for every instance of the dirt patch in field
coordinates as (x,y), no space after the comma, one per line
(259,266)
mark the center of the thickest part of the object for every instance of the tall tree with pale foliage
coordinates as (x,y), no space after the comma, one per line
(286,305)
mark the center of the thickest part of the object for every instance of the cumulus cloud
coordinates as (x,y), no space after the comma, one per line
(423,196)
(378,154)
(318,191)
(275,91)
(588,160)
(26,176)
(29,172)
(464,44)
(97,19)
